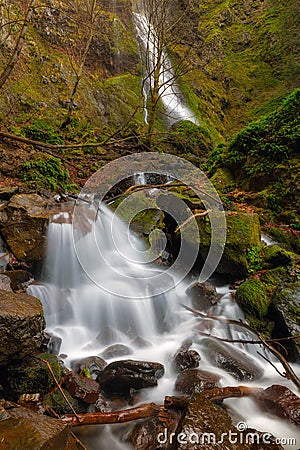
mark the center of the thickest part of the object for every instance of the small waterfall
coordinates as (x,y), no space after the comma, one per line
(169,92)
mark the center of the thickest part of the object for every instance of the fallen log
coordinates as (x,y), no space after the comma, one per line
(125,415)
(214,395)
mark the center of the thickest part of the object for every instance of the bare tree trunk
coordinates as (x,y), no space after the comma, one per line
(18,47)
(82,63)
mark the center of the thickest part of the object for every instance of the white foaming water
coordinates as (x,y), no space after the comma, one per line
(169,92)
(78,310)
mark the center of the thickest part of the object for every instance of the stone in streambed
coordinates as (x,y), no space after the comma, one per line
(116,350)
(82,388)
(206,426)
(144,435)
(232,360)
(196,380)
(203,295)
(19,278)
(122,376)
(281,401)
(22,428)
(5,283)
(186,359)
(92,364)
(21,325)
(107,336)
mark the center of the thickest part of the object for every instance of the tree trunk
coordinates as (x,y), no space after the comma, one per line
(18,47)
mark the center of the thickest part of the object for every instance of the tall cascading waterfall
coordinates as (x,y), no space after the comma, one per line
(89,318)
(156,58)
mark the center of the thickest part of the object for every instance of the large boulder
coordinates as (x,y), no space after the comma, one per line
(21,325)
(21,428)
(206,426)
(281,401)
(23,224)
(122,376)
(30,376)
(243,233)
(232,360)
(196,380)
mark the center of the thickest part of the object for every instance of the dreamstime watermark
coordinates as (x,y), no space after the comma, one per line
(186,175)
(238,436)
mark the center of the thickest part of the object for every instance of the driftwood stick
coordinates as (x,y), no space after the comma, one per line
(239,323)
(187,221)
(125,415)
(289,372)
(59,387)
(248,341)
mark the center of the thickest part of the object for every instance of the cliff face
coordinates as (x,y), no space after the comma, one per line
(244,55)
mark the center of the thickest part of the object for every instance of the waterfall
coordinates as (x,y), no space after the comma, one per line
(169,92)
(89,317)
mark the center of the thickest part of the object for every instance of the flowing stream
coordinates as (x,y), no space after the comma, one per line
(79,312)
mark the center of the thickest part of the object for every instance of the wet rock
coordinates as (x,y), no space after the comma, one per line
(21,325)
(5,283)
(122,376)
(196,380)
(285,313)
(234,361)
(54,344)
(23,222)
(19,278)
(140,342)
(56,401)
(31,376)
(101,405)
(206,426)
(107,335)
(144,435)
(82,388)
(7,192)
(203,295)
(281,401)
(186,359)
(94,365)
(24,429)
(116,350)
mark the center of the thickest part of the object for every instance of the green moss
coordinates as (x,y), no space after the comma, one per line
(222,180)
(253,298)
(56,401)
(47,172)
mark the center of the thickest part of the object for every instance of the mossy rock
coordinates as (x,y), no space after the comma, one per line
(243,233)
(290,240)
(56,401)
(253,297)
(276,256)
(31,376)
(222,179)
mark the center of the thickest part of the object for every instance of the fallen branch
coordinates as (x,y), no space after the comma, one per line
(187,221)
(214,395)
(289,372)
(59,387)
(125,415)
(248,341)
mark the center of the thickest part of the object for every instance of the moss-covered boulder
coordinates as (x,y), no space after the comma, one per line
(271,306)
(23,224)
(30,376)
(252,295)
(275,256)
(243,233)
(222,179)
(21,325)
